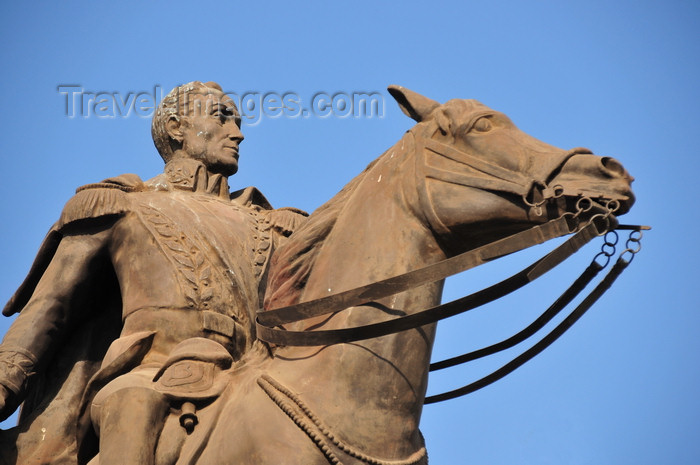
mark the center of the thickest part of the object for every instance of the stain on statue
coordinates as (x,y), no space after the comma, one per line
(136,343)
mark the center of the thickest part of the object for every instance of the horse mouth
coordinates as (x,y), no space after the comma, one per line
(602,204)
(602,180)
(616,197)
(625,201)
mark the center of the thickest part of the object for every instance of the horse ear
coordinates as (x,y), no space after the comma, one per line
(413,104)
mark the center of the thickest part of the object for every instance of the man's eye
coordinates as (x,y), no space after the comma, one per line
(224,115)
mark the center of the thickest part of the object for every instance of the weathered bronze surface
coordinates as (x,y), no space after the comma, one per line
(136,339)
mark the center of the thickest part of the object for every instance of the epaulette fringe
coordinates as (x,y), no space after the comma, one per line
(94,202)
(286,219)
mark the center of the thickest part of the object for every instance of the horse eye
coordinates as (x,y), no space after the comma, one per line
(483,124)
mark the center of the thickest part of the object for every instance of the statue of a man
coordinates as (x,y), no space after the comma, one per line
(133,279)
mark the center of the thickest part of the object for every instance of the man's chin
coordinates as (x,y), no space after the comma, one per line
(226,170)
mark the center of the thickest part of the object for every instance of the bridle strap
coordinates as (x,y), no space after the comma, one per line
(565,299)
(496,178)
(486,175)
(541,345)
(431,273)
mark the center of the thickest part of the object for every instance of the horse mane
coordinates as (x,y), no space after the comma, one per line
(291,265)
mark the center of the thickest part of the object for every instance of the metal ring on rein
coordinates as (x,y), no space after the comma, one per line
(611,248)
(611,206)
(557,191)
(608,248)
(583,204)
(635,237)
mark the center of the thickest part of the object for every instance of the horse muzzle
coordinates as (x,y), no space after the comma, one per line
(602,179)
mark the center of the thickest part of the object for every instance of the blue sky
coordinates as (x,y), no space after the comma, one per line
(618,77)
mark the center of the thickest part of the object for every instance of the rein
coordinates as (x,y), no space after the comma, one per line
(599,225)
(633,246)
(266,321)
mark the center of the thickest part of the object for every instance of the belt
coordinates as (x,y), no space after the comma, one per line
(187,320)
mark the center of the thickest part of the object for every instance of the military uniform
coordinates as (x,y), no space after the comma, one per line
(189,260)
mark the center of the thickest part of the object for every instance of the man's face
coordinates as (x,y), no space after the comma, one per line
(211,131)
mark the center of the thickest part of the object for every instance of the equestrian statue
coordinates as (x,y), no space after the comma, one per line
(172,322)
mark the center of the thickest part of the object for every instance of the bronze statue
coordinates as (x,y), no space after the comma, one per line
(164,268)
(463,177)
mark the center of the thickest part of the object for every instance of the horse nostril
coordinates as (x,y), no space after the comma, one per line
(613,167)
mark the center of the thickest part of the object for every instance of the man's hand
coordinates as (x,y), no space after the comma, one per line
(7,403)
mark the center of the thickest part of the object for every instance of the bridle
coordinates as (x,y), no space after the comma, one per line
(604,224)
(534,191)
(488,176)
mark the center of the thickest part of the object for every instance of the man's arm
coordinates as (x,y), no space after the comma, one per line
(56,303)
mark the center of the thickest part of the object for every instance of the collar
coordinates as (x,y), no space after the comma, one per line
(191,175)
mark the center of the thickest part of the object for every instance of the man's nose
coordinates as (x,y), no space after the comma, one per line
(235,133)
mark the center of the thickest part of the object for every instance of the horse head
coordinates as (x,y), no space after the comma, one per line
(517,180)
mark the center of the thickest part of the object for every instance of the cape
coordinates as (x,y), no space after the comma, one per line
(50,423)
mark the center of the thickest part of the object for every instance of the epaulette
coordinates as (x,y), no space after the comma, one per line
(251,197)
(100,199)
(286,219)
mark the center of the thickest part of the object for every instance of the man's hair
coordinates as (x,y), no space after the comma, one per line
(175,104)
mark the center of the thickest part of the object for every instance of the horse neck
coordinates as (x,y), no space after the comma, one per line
(380,233)
(381,380)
